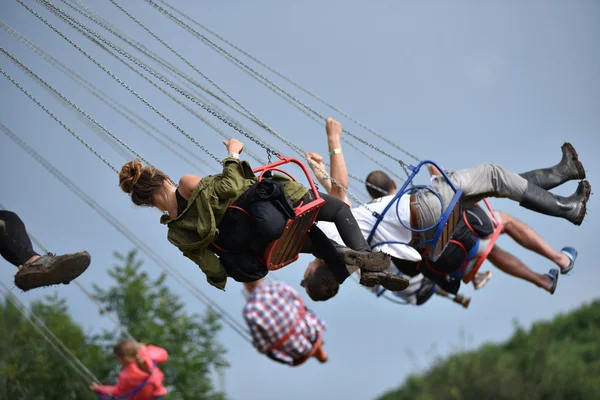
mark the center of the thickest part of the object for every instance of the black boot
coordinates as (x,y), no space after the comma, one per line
(572,208)
(569,168)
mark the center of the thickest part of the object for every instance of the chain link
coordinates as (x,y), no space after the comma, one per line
(51,6)
(297,85)
(106,99)
(90,148)
(268,83)
(158,76)
(66,100)
(178,74)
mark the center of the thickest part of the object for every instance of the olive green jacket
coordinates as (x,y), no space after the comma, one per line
(196,227)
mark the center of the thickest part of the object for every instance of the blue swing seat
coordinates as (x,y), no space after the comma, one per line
(444,227)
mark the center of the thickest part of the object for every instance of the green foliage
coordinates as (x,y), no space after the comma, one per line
(554,360)
(31,369)
(154,314)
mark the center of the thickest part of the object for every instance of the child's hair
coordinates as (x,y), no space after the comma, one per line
(129,350)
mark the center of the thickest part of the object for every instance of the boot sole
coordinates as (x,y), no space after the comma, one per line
(63,270)
(580,170)
(391,282)
(587,191)
(372,261)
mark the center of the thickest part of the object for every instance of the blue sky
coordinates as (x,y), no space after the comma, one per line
(464,83)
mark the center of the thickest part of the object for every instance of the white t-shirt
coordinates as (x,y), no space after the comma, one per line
(366,224)
(390,228)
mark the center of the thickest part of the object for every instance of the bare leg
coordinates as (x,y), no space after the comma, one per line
(513,266)
(528,238)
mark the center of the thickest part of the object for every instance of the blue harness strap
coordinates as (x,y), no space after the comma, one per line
(440,225)
(134,390)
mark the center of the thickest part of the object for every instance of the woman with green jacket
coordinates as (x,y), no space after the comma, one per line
(194,210)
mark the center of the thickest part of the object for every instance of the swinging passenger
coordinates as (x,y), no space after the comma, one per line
(423,209)
(140,378)
(281,326)
(234,216)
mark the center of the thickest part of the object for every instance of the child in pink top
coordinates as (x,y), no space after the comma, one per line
(140,379)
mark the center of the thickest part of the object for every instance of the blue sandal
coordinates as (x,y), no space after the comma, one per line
(553,275)
(572,254)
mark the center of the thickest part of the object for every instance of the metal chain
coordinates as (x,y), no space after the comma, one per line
(158,76)
(62,97)
(90,148)
(266,81)
(38,324)
(266,127)
(132,237)
(72,21)
(297,85)
(105,98)
(95,18)
(90,14)
(115,78)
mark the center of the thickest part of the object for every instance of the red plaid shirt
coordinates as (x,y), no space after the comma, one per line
(271,311)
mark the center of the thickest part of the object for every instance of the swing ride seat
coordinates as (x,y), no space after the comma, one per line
(472,267)
(286,249)
(444,227)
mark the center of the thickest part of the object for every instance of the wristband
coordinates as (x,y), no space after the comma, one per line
(234,155)
(335,151)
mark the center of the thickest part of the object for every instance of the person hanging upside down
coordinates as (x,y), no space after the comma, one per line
(281,326)
(422,210)
(234,216)
(35,270)
(140,378)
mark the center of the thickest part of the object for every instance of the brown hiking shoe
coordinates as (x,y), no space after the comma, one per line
(52,270)
(391,282)
(365,260)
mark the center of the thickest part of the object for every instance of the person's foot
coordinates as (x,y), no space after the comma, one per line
(321,355)
(481,279)
(52,270)
(391,282)
(370,261)
(571,254)
(582,194)
(570,163)
(552,275)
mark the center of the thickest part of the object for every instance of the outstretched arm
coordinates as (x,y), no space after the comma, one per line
(339,172)
(336,160)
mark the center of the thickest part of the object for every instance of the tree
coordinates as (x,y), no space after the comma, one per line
(29,368)
(153,314)
(554,360)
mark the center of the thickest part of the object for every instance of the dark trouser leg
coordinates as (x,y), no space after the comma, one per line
(336,211)
(320,246)
(15,245)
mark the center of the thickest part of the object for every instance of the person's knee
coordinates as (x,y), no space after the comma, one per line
(506,219)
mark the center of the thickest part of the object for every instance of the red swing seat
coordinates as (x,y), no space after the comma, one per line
(286,249)
(469,270)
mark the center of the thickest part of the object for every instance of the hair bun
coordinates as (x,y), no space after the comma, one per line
(130,174)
